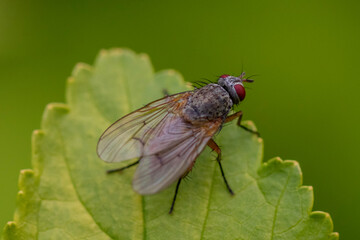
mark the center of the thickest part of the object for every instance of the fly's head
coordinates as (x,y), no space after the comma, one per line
(234,86)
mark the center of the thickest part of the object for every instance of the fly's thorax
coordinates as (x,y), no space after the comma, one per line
(208,103)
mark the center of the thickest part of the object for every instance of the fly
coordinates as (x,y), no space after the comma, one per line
(167,135)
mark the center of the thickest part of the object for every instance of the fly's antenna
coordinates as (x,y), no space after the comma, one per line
(242,75)
(253,75)
(250,80)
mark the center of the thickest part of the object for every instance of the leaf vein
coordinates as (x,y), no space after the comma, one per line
(208,204)
(73,184)
(277,206)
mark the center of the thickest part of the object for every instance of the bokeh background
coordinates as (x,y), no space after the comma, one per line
(305,100)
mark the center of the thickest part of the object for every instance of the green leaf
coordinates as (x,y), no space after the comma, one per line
(67,194)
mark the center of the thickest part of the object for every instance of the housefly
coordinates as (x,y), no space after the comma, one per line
(167,135)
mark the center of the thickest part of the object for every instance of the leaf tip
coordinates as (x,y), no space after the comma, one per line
(144,56)
(9,231)
(58,107)
(52,112)
(308,188)
(103,52)
(54,109)
(171,72)
(26,178)
(80,67)
(324,219)
(70,80)
(319,215)
(274,160)
(334,236)
(115,52)
(21,195)
(11,224)
(295,163)
(37,132)
(249,124)
(26,173)
(291,163)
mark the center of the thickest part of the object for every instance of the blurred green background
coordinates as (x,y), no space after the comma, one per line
(305,100)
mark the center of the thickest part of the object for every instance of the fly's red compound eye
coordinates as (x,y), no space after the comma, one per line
(240,91)
(224,76)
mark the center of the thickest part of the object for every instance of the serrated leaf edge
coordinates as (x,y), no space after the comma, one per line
(58,109)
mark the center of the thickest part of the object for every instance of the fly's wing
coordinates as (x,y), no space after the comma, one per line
(125,139)
(171,154)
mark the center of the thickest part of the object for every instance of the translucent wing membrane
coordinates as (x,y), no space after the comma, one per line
(173,153)
(166,144)
(125,139)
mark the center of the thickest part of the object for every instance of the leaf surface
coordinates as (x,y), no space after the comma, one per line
(67,194)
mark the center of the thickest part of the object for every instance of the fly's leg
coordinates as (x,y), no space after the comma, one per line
(239,115)
(123,168)
(176,192)
(212,144)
